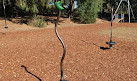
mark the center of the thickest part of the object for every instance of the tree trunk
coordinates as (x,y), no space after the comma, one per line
(71,8)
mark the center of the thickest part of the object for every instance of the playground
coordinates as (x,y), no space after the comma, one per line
(63,45)
(86,59)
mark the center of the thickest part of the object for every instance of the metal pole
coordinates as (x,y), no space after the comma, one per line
(64,48)
(116,9)
(129,10)
(111,24)
(4,12)
(121,11)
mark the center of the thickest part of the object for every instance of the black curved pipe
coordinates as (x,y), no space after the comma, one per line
(64,48)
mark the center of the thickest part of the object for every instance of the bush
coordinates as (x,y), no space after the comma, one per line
(88,10)
(37,22)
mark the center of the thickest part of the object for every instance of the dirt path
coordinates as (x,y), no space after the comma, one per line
(16,25)
(40,51)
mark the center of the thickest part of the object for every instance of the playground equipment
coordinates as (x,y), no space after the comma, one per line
(129,10)
(119,17)
(5,14)
(60,8)
(58,5)
(110,43)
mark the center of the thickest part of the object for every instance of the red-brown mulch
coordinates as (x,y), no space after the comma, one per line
(40,51)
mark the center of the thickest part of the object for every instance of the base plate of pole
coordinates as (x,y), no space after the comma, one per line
(63,80)
(111,43)
(6,27)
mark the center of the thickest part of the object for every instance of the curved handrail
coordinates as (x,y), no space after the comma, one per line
(64,48)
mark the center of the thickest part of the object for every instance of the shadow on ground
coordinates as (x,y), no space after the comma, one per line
(30,72)
(101,47)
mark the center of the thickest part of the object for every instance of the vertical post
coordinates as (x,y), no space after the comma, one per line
(4,12)
(121,13)
(129,10)
(111,23)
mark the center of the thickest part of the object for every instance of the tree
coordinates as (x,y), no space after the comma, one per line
(33,6)
(70,8)
(88,10)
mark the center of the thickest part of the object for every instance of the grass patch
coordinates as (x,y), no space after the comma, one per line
(127,33)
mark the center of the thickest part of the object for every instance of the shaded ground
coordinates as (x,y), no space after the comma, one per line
(40,51)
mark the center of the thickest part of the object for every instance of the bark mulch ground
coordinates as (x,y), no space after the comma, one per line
(40,51)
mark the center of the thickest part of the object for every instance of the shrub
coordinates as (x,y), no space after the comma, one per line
(37,22)
(88,10)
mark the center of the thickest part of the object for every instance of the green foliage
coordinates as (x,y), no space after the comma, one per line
(24,7)
(34,9)
(29,6)
(37,22)
(88,10)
